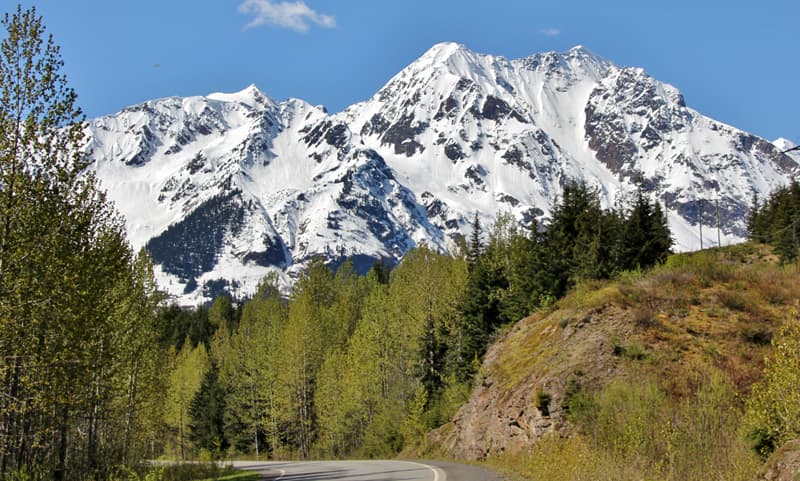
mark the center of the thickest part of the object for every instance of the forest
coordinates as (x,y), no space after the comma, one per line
(354,365)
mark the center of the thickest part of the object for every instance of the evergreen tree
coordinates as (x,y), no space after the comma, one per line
(521,297)
(644,237)
(754,230)
(777,221)
(478,307)
(475,246)
(178,324)
(222,314)
(574,226)
(207,411)
(660,236)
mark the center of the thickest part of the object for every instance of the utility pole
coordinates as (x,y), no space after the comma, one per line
(719,222)
(700,222)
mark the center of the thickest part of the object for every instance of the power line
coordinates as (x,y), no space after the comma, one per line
(796,147)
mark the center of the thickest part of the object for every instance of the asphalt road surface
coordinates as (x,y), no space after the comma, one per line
(366,471)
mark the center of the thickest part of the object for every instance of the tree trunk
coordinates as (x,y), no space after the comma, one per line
(60,471)
(130,414)
(255,417)
(183,454)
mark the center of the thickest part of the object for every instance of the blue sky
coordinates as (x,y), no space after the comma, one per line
(736,61)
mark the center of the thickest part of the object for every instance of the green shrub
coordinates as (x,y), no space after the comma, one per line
(643,316)
(542,401)
(733,300)
(773,416)
(580,405)
(758,336)
(635,351)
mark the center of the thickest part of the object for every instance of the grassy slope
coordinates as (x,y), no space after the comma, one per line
(712,308)
(708,312)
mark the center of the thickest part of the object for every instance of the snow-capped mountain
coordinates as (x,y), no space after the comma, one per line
(223,188)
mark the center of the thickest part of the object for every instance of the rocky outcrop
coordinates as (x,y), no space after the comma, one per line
(529,365)
(783,465)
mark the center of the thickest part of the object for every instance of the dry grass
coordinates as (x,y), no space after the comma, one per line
(707,312)
(635,431)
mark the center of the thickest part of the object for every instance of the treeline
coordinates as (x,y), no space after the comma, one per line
(518,271)
(80,362)
(776,221)
(355,365)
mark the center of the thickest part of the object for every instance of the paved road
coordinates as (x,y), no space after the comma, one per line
(366,471)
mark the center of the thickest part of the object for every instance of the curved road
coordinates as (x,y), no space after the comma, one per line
(366,471)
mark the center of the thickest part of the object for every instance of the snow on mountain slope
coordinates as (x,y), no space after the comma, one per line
(223,188)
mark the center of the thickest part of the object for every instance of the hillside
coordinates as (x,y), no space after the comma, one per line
(698,316)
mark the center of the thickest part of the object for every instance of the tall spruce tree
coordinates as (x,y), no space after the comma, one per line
(645,238)
(207,414)
(776,221)
(521,297)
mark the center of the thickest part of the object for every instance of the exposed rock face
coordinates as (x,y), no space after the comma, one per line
(475,132)
(783,465)
(501,414)
(629,112)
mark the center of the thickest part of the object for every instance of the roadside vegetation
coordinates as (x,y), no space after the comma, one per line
(702,382)
(194,471)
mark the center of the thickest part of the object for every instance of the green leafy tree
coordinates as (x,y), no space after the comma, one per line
(425,291)
(139,378)
(303,352)
(188,372)
(248,363)
(340,407)
(70,363)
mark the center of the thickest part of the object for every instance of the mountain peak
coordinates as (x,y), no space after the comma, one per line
(581,52)
(444,50)
(445,53)
(783,143)
(251,96)
(250,90)
(578,60)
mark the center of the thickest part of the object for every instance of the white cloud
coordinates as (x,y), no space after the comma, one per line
(294,15)
(550,32)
